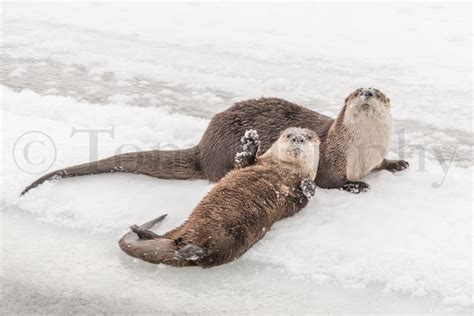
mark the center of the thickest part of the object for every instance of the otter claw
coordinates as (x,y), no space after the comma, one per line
(308,188)
(356,187)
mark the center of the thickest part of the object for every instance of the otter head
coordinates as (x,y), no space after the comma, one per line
(366,102)
(299,148)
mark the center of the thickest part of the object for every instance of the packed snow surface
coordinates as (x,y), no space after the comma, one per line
(151,76)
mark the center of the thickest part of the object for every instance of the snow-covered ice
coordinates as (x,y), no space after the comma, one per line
(151,75)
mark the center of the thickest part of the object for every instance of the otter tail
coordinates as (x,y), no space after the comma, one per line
(144,244)
(165,164)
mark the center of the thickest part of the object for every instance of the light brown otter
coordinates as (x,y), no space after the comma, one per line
(366,113)
(240,208)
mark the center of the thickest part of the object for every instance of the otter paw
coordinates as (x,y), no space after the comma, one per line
(355,187)
(143,233)
(308,188)
(250,146)
(190,253)
(396,165)
(250,142)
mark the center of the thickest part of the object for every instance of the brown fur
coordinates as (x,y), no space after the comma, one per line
(213,157)
(171,164)
(336,150)
(234,215)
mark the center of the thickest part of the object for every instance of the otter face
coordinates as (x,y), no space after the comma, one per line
(368,101)
(298,142)
(297,146)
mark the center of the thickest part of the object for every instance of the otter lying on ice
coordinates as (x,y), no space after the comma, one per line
(240,208)
(352,145)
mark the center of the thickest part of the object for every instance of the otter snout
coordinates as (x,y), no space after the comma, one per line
(297,151)
(367,93)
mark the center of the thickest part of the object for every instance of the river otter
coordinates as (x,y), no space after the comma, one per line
(352,145)
(240,208)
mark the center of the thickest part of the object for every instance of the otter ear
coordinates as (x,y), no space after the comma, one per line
(346,100)
(315,137)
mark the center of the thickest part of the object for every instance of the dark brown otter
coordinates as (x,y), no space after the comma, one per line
(239,209)
(213,156)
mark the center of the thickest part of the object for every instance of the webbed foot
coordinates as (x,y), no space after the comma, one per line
(143,233)
(355,187)
(395,165)
(190,253)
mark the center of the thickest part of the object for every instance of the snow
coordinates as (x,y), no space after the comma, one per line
(151,75)
(388,236)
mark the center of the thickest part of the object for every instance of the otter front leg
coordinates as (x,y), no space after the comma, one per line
(393,165)
(355,187)
(250,146)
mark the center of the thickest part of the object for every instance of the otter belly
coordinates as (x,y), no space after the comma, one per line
(368,147)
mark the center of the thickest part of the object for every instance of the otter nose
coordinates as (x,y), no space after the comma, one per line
(297,139)
(367,93)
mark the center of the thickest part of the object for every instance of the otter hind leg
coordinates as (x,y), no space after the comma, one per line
(190,253)
(144,232)
(355,187)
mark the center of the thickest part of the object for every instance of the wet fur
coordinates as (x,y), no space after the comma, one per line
(239,210)
(357,142)
(213,157)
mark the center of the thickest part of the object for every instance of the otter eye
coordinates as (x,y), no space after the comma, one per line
(288,135)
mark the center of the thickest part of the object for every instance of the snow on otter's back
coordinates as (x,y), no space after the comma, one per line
(404,235)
